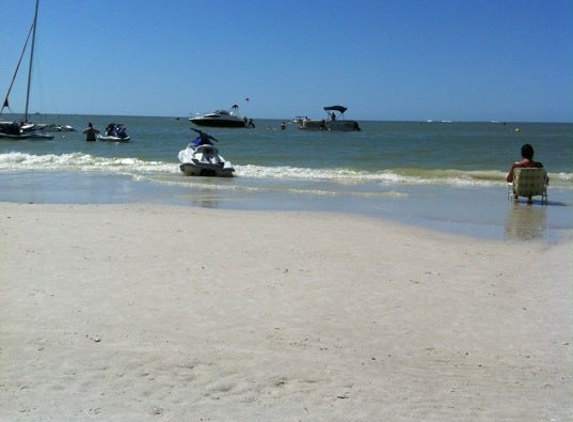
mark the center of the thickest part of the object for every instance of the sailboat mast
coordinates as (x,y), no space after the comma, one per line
(31,61)
(5,104)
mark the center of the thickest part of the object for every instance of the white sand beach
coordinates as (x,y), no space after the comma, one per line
(163,313)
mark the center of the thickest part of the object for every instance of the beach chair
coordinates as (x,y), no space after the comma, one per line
(528,182)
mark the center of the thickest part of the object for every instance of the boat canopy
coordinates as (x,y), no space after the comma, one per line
(338,108)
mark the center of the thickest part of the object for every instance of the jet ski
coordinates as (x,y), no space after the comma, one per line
(202,158)
(114,132)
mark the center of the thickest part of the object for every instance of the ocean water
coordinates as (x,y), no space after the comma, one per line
(443,175)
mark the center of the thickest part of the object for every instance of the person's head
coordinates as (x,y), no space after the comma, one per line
(527,151)
(90,124)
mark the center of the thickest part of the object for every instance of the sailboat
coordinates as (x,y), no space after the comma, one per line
(23,129)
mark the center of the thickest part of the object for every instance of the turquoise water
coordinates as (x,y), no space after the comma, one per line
(444,175)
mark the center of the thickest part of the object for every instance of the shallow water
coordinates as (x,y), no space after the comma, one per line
(446,176)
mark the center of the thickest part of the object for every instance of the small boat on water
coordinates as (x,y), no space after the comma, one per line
(53,127)
(223,118)
(114,132)
(335,121)
(202,158)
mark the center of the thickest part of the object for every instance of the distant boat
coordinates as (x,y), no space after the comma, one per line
(53,127)
(24,129)
(223,118)
(335,121)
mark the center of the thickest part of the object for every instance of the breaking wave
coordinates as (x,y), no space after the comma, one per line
(138,168)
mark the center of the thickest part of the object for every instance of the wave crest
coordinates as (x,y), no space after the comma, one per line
(81,162)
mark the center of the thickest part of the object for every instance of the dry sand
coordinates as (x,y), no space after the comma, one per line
(157,313)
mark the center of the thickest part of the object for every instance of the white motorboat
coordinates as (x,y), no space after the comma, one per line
(202,158)
(53,127)
(223,118)
(114,132)
(335,121)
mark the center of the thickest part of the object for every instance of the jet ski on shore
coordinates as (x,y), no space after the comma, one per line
(202,158)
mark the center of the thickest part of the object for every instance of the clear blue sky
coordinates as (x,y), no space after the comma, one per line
(505,60)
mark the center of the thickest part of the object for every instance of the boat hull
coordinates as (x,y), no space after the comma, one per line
(104,138)
(59,128)
(343,125)
(336,125)
(201,121)
(26,135)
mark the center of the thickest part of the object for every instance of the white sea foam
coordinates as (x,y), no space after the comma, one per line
(142,169)
(17,161)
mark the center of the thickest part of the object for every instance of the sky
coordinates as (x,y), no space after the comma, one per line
(459,60)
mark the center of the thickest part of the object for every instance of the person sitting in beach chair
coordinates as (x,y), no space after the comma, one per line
(527,178)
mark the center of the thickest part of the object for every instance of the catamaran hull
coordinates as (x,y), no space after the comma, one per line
(27,135)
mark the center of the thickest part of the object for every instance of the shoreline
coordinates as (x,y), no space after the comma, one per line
(473,212)
(158,312)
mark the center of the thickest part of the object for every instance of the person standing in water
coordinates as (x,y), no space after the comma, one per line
(90,132)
